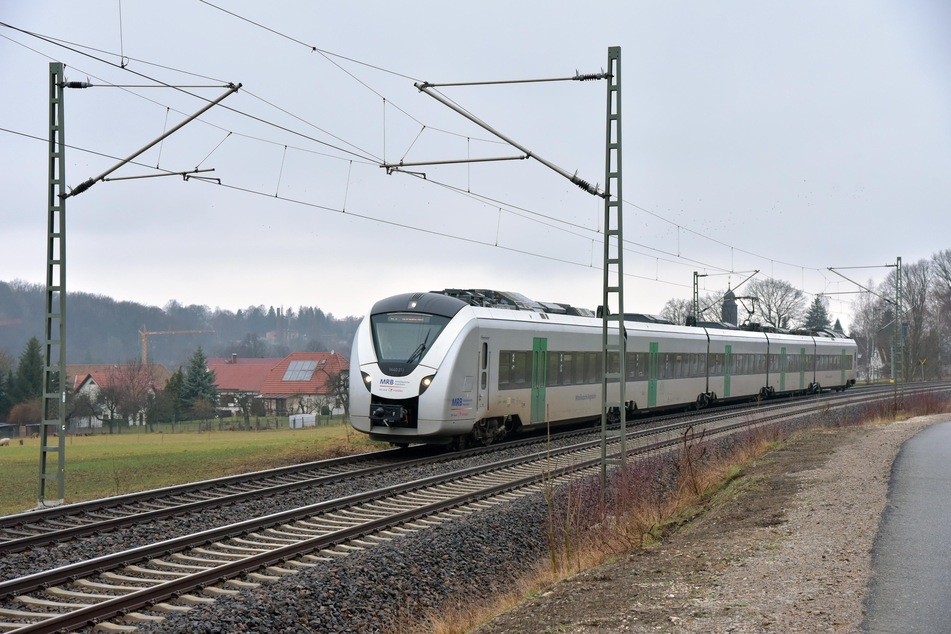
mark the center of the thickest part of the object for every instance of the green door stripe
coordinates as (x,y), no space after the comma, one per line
(539,378)
(653,371)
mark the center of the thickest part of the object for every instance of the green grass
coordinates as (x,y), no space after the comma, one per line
(105,465)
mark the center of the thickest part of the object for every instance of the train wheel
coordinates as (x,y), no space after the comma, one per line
(459,443)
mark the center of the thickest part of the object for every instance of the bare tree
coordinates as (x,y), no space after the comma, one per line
(867,312)
(778,303)
(676,311)
(941,313)
(917,290)
(340,390)
(134,382)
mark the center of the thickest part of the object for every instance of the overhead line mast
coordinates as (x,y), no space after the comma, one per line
(613,269)
(53,422)
(613,266)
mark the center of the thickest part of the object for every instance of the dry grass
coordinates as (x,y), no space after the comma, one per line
(584,533)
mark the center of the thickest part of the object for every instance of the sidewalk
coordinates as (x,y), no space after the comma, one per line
(910,590)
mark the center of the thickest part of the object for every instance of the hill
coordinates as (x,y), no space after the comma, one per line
(101,329)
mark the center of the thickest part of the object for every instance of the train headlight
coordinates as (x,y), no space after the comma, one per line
(426,382)
(366,380)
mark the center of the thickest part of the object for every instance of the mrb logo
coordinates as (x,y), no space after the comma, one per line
(387,382)
(456,402)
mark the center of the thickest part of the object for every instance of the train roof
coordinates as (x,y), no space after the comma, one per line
(510,300)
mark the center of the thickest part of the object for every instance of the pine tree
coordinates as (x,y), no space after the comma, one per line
(198,388)
(817,317)
(5,404)
(173,389)
(28,381)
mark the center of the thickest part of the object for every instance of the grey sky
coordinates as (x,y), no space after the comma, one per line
(785,136)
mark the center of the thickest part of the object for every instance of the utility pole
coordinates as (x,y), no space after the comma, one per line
(53,424)
(898,357)
(613,269)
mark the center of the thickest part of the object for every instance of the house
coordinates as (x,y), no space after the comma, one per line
(238,378)
(90,380)
(303,383)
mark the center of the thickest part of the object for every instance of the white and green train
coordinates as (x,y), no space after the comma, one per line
(471,367)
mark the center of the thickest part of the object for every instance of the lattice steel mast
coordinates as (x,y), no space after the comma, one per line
(613,267)
(53,424)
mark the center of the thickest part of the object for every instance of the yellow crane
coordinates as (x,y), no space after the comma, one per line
(145,334)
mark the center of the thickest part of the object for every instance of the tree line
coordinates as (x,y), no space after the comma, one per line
(924,296)
(103,330)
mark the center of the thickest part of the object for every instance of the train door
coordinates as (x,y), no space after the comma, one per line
(802,368)
(539,378)
(653,373)
(483,400)
(727,370)
(782,369)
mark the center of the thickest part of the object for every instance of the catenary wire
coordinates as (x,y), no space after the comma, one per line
(59,43)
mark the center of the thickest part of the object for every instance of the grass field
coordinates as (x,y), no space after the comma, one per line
(105,465)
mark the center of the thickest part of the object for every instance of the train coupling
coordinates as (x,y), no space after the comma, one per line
(389,415)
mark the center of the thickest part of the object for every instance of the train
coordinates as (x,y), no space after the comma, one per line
(467,367)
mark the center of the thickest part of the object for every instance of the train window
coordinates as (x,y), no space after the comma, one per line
(485,355)
(641,361)
(577,368)
(405,337)
(614,362)
(701,364)
(592,371)
(504,373)
(555,367)
(716,364)
(515,369)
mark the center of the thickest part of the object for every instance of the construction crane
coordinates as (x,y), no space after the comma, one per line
(145,334)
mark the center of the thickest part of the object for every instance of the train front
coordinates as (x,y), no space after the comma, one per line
(400,349)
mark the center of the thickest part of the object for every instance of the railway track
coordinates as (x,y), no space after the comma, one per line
(174,575)
(32,529)
(55,525)
(36,528)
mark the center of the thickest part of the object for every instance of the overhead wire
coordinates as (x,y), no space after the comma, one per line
(366,156)
(329,54)
(369,156)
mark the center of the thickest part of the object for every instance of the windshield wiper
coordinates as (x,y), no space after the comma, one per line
(418,352)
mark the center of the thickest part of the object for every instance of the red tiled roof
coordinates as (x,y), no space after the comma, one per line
(241,374)
(105,375)
(329,364)
(78,373)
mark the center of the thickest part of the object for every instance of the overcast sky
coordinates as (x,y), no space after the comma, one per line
(787,137)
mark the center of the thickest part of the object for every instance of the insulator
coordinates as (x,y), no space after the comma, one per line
(590,76)
(583,184)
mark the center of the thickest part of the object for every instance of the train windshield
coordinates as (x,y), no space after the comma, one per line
(405,337)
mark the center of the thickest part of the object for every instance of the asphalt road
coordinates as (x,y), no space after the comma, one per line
(910,591)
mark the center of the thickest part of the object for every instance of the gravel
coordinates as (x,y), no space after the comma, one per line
(813,563)
(791,552)
(371,590)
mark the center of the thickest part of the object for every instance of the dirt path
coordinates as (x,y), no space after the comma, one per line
(786,549)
